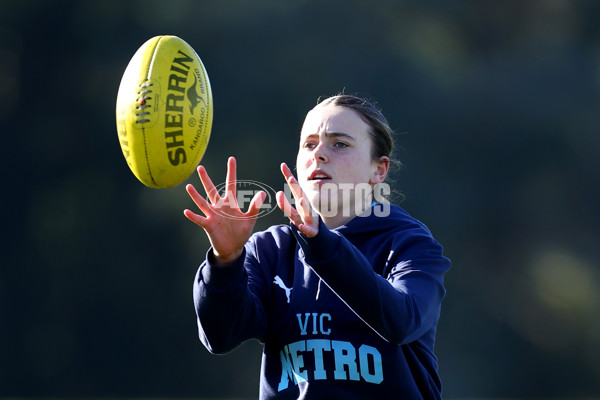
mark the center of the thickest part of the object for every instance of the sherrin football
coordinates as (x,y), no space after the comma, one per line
(164,112)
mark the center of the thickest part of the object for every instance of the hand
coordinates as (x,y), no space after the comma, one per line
(227,227)
(304,217)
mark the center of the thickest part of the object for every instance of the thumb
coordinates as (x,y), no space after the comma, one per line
(256,203)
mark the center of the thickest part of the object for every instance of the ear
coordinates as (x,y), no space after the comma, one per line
(382,166)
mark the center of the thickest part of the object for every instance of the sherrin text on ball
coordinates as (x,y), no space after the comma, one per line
(164,112)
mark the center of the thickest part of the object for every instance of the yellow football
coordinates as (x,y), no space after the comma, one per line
(164,112)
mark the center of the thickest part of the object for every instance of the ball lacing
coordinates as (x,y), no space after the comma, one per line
(142,101)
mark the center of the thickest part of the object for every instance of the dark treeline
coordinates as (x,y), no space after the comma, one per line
(496,106)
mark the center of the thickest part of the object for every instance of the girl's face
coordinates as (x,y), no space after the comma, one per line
(334,163)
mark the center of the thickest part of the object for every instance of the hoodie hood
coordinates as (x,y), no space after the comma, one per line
(377,219)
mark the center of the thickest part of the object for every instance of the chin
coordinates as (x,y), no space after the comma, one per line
(314,197)
(323,204)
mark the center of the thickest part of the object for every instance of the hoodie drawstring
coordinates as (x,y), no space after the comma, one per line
(318,289)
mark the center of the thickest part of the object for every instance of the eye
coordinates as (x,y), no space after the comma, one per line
(340,145)
(309,145)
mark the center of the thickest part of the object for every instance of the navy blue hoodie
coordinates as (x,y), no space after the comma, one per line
(348,314)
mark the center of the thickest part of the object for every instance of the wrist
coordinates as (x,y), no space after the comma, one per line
(221,259)
(323,246)
(225,277)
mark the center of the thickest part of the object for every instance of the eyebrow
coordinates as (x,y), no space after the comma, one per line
(333,135)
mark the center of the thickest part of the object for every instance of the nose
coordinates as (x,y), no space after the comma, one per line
(319,153)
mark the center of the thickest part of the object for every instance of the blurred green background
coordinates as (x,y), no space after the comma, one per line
(497,109)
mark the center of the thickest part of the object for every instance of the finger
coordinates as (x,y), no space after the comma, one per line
(284,204)
(309,231)
(291,179)
(287,209)
(195,218)
(231,176)
(306,208)
(287,172)
(292,182)
(209,187)
(199,200)
(256,203)
(310,225)
(297,192)
(302,207)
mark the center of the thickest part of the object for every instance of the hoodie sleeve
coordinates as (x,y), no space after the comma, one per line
(228,303)
(400,307)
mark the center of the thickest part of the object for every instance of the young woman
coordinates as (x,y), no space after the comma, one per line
(346,298)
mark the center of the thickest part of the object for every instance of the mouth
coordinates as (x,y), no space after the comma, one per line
(319,176)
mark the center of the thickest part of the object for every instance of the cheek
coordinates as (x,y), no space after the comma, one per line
(357,170)
(351,164)
(302,164)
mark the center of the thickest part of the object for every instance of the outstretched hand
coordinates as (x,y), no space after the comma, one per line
(227,227)
(303,216)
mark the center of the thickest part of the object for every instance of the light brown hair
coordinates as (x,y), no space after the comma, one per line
(382,134)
